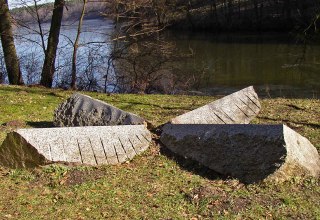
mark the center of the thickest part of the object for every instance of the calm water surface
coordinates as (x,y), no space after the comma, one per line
(243,59)
(224,60)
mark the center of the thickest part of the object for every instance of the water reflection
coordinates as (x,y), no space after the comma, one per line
(239,60)
(225,60)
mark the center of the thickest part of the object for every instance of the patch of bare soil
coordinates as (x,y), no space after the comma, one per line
(15,124)
(77,177)
(221,197)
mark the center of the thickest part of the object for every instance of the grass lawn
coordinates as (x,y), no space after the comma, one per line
(155,185)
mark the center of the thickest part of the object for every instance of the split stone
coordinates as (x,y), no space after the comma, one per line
(82,110)
(238,108)
(80,145)
(250,153)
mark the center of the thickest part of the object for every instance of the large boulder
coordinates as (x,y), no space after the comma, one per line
(80,145)
(248,152)
(82,110)
(238,108)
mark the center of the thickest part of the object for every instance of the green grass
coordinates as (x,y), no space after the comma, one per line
(155,185)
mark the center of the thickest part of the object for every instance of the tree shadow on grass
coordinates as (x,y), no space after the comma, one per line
(30,90)
(40,124)
(313,125)
(130,104)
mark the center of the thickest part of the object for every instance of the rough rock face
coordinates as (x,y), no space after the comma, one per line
(82,110)
(238,108)
(81,145)
(248,152)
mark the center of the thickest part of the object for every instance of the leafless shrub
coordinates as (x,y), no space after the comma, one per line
(31,67)
(143,61)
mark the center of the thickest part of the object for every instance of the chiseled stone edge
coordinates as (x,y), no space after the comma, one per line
(237,108)
(63,119)
(33,147)
(16,152)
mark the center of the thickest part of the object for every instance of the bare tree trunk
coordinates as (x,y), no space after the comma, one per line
(75,49)
(9,49)
(239,10)
(256,10)
(53,41)
(230,11)
(287,10)
(215,11)
(1,77)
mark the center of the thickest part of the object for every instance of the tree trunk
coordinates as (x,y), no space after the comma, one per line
(239,10)
(1,77)
(230,12)
(9,49)
(287,9)
(75,49)
(256,10)
(53,41)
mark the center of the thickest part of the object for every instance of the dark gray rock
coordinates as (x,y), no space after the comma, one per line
(81,145)
(248,152)
(82,110)
(238,108)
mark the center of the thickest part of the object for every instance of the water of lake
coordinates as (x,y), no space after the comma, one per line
(228,60)
(94,44)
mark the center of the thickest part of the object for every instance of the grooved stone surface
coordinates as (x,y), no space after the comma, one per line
(82,110)
(248,152)
(238,108)
(82,145)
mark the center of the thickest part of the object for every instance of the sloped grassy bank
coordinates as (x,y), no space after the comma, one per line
(156,185)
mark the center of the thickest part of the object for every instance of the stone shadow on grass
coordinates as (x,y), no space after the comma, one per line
(187,164)
(40,124)
(192,165)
